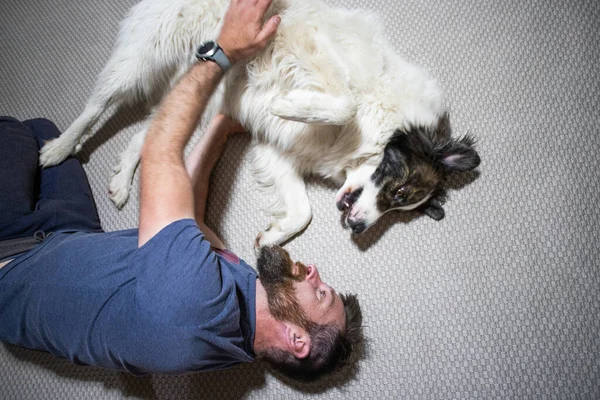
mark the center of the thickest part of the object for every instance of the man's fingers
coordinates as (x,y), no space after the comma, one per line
(263,5)
(247,3)
(268,30)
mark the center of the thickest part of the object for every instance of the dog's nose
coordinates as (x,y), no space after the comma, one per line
(357,227)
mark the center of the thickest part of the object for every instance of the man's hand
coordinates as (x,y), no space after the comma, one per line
(243,34)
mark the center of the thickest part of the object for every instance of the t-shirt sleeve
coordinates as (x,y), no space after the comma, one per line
(179,279)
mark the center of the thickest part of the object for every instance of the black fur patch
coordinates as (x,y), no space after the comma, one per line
(416,162)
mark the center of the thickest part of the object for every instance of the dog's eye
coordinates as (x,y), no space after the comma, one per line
(401,192)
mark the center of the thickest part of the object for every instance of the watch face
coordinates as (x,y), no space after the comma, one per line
(207,49)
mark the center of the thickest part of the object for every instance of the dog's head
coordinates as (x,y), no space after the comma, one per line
(415,164)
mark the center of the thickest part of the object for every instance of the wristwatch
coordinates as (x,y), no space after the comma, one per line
(211,51)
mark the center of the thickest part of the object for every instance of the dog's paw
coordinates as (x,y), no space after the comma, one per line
(257,244)
(55,151)
(270,236)
(118,189)
(283,107)
(312,107)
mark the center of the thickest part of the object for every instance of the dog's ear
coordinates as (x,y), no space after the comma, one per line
(433,209)
(443,130)
(458,155)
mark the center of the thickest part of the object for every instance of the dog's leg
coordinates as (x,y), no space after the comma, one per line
(129,74)
(314,107)
(120,183)
(57,150)
(116,84)
(291,209)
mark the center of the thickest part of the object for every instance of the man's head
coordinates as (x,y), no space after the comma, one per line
(322,327)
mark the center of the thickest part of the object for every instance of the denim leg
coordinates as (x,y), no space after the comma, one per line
(62,195)
(18,170)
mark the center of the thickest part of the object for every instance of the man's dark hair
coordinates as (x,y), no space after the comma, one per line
(330,347)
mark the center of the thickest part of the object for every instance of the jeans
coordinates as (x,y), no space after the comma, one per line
(36,201)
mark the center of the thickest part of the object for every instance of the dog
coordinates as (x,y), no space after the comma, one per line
(329,96)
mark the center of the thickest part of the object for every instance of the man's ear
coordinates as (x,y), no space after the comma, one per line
(298,341)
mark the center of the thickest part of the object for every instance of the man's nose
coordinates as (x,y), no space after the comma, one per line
(314,274)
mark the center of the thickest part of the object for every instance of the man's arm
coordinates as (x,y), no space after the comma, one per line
(166,193)
(201,163)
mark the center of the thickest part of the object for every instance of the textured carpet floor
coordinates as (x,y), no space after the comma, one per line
(499,300)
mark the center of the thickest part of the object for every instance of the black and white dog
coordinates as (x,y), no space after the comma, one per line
(329,96)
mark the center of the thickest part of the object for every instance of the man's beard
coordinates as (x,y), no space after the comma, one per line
(276,275)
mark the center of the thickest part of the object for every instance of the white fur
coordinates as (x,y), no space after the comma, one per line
(323,98)
(365,209)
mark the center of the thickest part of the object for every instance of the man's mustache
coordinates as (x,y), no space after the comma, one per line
(274,265)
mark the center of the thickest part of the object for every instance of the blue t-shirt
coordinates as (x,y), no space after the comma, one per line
(171,306)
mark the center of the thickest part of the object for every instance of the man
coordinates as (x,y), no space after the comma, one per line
(167,297)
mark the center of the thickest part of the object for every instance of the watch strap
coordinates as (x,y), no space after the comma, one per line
(221,59)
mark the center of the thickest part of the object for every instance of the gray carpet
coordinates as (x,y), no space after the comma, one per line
(499,300)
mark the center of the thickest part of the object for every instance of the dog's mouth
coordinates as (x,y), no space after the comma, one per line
(348,199)
(345,205)
(356,226)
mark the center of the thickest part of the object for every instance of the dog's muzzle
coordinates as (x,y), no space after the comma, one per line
(348,200)
(357,226)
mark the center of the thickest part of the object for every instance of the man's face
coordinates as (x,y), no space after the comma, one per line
(296,292)
(319,301)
